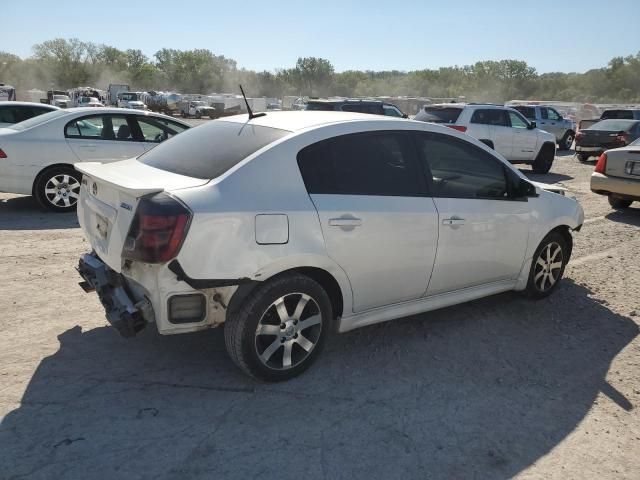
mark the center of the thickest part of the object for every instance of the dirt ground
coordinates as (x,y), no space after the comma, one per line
(497,388)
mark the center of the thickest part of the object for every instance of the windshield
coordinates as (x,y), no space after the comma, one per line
(211,149)
(613,125)
(198,103)
(129,96)
(45,117)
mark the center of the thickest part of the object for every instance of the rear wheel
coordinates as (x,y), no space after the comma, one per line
(544,160)
(280,329)
(619,203)
(547,266)
(58,189)
(583,157)
(567,140)
(198,115)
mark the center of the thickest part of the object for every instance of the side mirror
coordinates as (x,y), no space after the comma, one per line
(404,115)
(532,125)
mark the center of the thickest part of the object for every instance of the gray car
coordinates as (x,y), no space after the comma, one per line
(549,119)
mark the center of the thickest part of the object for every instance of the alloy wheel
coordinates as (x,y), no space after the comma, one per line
(284,340)
(548,267)
(62,191)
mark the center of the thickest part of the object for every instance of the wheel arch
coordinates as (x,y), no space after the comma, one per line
(45,170)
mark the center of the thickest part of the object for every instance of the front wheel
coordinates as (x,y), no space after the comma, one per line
(547,266)
(567,140)
(544,160)
(58,189)
(619,203)
(280,329)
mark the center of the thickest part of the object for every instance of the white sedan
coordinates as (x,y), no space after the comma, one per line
(37,155)
(298,223)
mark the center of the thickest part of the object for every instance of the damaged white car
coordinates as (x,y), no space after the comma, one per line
(291,225)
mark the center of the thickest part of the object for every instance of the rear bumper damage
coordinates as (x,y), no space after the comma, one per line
(123,312)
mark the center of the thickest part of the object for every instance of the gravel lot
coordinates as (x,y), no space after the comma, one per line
(495,388)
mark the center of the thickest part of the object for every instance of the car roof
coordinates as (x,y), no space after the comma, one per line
(302,119)
(28,104)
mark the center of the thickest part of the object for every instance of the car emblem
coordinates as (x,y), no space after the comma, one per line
(126,206)
(94,188)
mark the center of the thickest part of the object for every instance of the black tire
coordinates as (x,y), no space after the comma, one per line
(198,115)
(544,160)
(58,189)
(539,274)
(261,353)
(583,157)
(619,203)
(567,140)
(183,114)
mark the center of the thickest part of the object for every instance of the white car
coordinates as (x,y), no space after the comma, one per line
(289,225)
(37,155)
(501,128)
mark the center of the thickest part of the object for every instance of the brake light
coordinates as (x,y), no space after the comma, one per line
(601,164)
(2,154)
(158,229)
(460,128)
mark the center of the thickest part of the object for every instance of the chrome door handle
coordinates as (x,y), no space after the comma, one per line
(453,221)
(345,222)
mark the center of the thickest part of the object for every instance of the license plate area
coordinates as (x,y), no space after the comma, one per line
(632,168)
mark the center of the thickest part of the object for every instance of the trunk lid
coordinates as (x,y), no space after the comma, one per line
(624,163)
(598,138)
(109,196)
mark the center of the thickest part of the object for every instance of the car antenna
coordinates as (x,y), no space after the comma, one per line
(251,114)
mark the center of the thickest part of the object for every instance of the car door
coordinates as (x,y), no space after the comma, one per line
(377,220)
(152,130)
(483,232)
(525,139)
(102,137)
(492,124)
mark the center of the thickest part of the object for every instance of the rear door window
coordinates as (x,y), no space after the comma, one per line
(100,127)
(372,163)
(439,114)
(490,116)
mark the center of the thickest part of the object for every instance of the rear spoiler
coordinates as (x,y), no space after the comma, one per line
(131,185)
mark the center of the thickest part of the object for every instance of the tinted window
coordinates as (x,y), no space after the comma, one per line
(375,163)
(461,170)
(613,125)
(320,106)
(363,108)
(8,115)
(391,111)
(544,114)
(517,120)
(620,114)
(211,149)
(439,114)
(529,112)
(490,116)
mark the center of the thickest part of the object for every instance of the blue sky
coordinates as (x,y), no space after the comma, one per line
(401,34)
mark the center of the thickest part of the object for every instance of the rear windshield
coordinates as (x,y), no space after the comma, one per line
(620,114)
(211,149)
(613,125)
(439,114)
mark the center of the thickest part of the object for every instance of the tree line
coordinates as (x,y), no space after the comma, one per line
(65,63)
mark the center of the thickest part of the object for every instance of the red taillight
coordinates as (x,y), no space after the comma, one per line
(460,128)
(601,164)
(2,154)
(158,230)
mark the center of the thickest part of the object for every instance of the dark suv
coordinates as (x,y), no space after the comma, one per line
(375,107)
